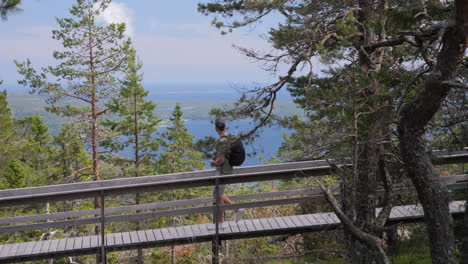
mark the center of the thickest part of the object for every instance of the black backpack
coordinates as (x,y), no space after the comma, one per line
(237,155)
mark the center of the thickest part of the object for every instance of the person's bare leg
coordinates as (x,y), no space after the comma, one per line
(223,200)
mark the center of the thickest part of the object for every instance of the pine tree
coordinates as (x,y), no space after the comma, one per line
(35,149)
(93,54)
(135,124)
(8,7)
(15,175)
(72,158)
(179,153)
(91,57)
(7,135)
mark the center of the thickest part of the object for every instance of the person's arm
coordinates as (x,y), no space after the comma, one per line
(221,149)
(218,161)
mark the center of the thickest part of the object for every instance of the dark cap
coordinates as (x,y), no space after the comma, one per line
(220,125)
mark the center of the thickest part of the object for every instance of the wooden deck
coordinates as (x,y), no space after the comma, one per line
(194,234)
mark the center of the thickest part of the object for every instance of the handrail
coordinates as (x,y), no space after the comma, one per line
(18,199)
(180,180)
(313,195)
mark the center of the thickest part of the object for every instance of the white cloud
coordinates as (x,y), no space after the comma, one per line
(118,13)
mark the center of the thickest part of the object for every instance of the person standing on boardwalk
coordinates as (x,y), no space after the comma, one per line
(223,166)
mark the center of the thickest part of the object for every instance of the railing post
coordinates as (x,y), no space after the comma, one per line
(216,243)
(103,237)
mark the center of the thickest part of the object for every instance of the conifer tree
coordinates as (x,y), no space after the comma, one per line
(7,7)
(35,150)
(15,175)
(135,124)
(7,135)
(179,153)
(72,158)
(91,57)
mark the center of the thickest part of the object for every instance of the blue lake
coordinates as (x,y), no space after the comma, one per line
(266,145)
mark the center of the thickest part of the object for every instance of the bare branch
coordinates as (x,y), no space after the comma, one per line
(455,85)
(371,241)
(73,174)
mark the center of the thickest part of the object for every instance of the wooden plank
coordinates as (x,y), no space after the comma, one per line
(21,249)
(265,224)
(37,248)
(257,224)
(196,230)
(53,245)
(29,248)
(150,235)
(320,218)
(17,228)
(45,246)
(393,213)
(70,243)
(95,241)
(304,220)
(273,223)
(166,234)
(334,218)
(158,234)
(173,232)
(234,226)
(203,230)
(296,221)
(246,226)
(126,238)
(110,240)
(288,221)
(86,242)
(242,226)
(118,239)
(281,222)
(250,225)
(6,250)
(13,248)
(61,244)
(78,243)
(189,231)
(142,236)
(2,246)
(180,231)
(403,211)
(313,220)
(134,237)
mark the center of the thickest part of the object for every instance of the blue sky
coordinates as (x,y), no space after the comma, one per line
(175,42)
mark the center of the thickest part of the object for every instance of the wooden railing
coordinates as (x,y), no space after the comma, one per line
(107,188)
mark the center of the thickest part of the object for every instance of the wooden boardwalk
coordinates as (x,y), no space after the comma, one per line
(194,234)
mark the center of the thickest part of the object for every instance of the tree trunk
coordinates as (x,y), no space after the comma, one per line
(136,138)
(362,186)
(413,118)
(94,125)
